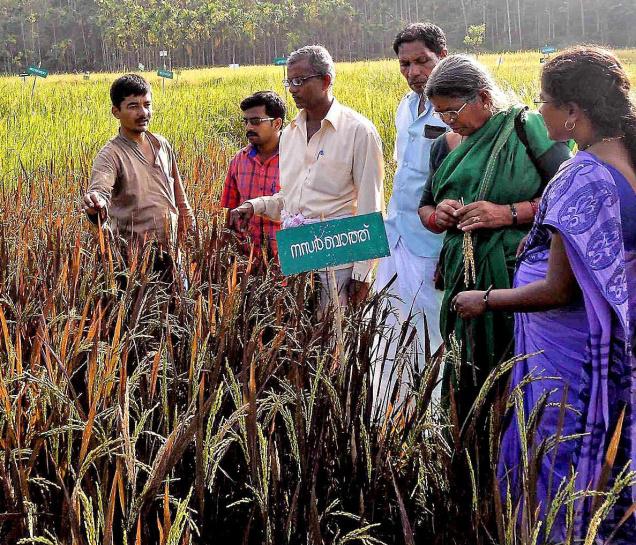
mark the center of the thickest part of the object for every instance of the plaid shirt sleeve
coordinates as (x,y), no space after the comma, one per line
(231,198)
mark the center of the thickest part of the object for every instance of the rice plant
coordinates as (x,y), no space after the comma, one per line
(219,410)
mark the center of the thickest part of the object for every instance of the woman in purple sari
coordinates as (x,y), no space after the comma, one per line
(575,298)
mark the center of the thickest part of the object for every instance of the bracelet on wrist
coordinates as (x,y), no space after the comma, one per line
(486,295)
(431,223)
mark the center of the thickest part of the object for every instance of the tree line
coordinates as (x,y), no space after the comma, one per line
(115,35)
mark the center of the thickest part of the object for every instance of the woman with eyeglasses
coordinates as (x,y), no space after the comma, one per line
(486,179)
(575,298)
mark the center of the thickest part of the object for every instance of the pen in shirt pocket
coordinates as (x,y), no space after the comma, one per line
(321,153)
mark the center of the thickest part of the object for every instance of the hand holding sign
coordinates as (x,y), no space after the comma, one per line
(240,217)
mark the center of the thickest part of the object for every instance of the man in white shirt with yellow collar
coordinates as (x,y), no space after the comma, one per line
(331,165)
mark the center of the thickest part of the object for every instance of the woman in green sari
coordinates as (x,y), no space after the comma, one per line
(487,177)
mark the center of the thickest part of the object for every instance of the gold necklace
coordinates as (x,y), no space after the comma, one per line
(607,139)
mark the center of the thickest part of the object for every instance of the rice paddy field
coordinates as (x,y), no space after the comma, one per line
(221,411)
(68,119)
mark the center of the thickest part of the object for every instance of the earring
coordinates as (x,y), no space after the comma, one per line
(569,129)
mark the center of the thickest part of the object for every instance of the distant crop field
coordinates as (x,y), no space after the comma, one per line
(68,119)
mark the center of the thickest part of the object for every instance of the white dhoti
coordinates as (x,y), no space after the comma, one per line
(413,293)
(342,278)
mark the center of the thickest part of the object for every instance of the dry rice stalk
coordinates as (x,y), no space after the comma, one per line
(469,257)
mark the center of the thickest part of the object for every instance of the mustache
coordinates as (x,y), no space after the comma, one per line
(143,119)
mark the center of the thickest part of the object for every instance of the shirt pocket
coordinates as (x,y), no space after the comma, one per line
(431,132)
(333,177)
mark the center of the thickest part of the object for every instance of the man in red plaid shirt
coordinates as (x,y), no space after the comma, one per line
(253,171)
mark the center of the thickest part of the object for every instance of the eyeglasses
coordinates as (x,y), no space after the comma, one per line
(538,102)
(450,116)
(298,82)
(256,121)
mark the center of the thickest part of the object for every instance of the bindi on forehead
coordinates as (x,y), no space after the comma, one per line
(447,105)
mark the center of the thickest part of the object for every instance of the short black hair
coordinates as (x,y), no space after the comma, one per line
(274,105)
(127,85)
(429,34)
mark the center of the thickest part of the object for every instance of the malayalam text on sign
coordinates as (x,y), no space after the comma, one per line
(334,242)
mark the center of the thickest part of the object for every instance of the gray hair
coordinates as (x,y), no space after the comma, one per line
(459,76)
(318,57)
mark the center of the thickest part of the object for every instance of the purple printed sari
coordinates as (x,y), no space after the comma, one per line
(587,357)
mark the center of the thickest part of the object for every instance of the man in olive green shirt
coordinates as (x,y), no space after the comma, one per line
(135,184)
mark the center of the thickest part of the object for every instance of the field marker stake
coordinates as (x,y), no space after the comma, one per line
(333,288)
(338,309)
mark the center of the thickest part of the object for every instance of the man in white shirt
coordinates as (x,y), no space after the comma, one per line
(414,250)
(331,165)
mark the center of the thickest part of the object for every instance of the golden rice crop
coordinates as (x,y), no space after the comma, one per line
(68,119)
(217,412)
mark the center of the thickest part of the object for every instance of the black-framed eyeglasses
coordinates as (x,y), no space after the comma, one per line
(450,116)
(299,81)
(256,121)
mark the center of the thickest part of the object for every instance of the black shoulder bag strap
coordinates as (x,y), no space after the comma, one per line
(521,134)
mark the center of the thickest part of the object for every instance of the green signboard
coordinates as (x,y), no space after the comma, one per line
(329,243)
(280,61)
(165,74)
(35,71)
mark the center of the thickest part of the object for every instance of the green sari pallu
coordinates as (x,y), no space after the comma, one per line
(492,165)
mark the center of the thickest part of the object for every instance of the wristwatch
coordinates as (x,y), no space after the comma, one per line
(513,211)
